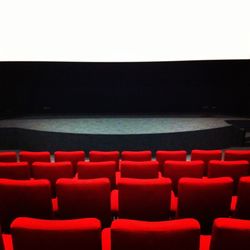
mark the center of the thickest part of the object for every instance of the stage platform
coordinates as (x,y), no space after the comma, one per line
(120,132)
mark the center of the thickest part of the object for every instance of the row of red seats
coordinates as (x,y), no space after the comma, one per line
(145,199)
(182,234)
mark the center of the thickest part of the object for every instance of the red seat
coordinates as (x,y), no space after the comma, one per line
(235,155)
(37,234)
(105,156)
(136,155)
(8,156)
(204,199)
(143,235)
(233,169)
(5,241)
(72,156)
(169,155)
(144,199)
(84,198)
(52,171)
(24,198)
(230,234)
(243,202)
(139,169)
(15,170)
(31,157)
(178,169)
(92,170)
(206,156)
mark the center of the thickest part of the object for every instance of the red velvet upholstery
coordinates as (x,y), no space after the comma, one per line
(139,169)
(36,234)
(105,156)
(136,155)
(230,234)
(144,199)
(206,156)
(234,155)
(92,170)
(84,198)
(31,157)
(72,156)
(24,198)
(15,170)
(178,169)
(144,235)
(8,156)
(170,155)
(52,171)
(243,201)
(204,199)
(233,169)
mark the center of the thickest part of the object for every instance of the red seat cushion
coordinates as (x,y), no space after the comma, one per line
(239,154)
(15,170)
(8,156)
(31,157)
(145,155)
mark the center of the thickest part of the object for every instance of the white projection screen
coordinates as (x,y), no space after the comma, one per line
(124,30)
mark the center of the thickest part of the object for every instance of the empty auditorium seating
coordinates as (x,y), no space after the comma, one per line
(233,169)
(229,234)
(84,198)
(52,171)
(243,200)
(92,170)
(72,156)
(31,157)
(24,198)
(139,169)
(105,156)
(170,155)
(204,199)
(234,155)
(143,199)
(178,169)
(15,170)
(37,234)
(133,234)
(206,156)
(8,156)
(136,155)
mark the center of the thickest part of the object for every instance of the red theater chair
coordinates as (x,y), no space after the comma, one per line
(206,156)
(136,155)
(169,155)
(72,156)
(52,171)
(228,234)
(204,199)
(233,169)
(234,155)
(37,234)
(5,241)
(24,198)
(105,156)
(178,169)
(8,156)
(171,235)
(243,201)
(142,199)
(138,169)
(31,157)
(15,170)
(93,170)
(84,199)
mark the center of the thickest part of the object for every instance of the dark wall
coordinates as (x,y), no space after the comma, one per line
(143,87)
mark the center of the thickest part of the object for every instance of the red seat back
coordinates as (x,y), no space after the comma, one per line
(15,170)
(37,234)
(8,156)
(136,155)
(144,199)
(144,235)
(93,170)
(31,157)
(234,155)
(139,169)
(178,169)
